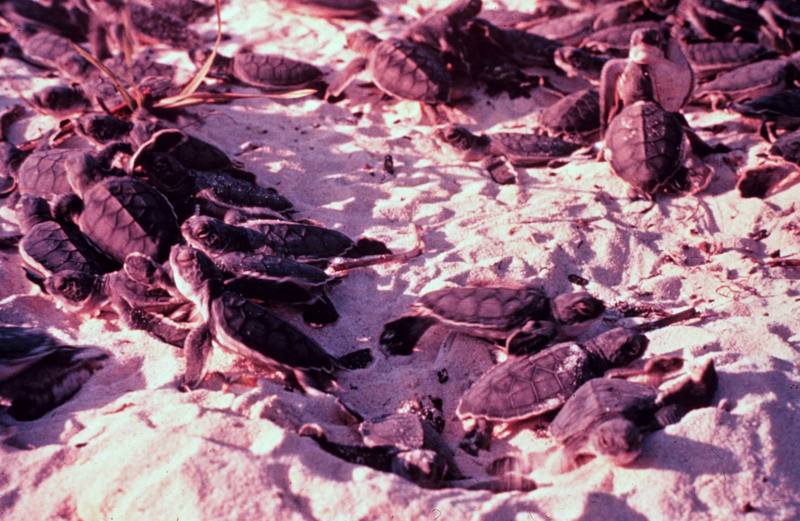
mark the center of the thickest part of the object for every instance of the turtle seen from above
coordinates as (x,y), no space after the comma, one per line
(523,319)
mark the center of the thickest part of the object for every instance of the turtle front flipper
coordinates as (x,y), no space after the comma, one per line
(67,207)
(160,327)
(609,101)
(320,312)
(531,338)
(344,78)
(400,336)
(197,348)
(500,169)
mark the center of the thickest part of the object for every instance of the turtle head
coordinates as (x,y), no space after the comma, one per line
(76,291)
(463,10)
(362,41)
(83,171)
(206,233)
(464,141)
(618,440)
(195,275)
(618,347)
(575,312)
(32,211)
(648,45)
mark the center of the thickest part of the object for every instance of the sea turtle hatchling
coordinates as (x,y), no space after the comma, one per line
(298,241)
(39,372)
(750,81)
(650,149)
(270,73)
(779,110)
(401,443)
(61,101)
(576,117)
(524,319)
(493,150)
(399,67)
(608,417)
(656,70)
(709,59)
(49,246)
(140,306)
(120,215)
(531,386)
(236,324)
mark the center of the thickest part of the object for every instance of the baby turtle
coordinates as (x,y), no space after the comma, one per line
(302,242)
(524,319)
(120,215)
(576,117)
(493,150)
(534,385)
(608,417)
(270,278)
(359,9)
(748,82)
(50,246)
(236,324)
(780,110)
(140,306)
(39,373)
(101,129)
(709,59)
(719,19)
(650,149)
(52,51)
(788,147)
(781,31)
(399,67)
(401,443)
(656,70)
(188,10)
(271,73)
(577,62)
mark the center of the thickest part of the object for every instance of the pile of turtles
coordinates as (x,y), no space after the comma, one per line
(120,209)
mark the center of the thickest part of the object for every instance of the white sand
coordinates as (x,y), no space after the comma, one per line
(130,446)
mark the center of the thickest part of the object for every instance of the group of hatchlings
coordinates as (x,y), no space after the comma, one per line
(180,241)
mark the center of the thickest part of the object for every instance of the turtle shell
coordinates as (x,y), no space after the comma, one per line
(600,400)
(577,114)
(21,347)
(532,149)
(48,248)
(493,308)
(124,215)
(43,173)
(711,58)
(54,51)
(152,26)
(646,146)
(524,387)
(366,9)
(410,71)
(272,70)
(273,267)
(302,241)
(748,81)
(403,431)
(244,327)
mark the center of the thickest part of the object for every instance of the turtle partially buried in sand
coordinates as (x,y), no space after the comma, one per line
(608,417)
(38,372)
(532,386)
(524,319)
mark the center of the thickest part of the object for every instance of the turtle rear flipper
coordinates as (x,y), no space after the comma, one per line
(197,348)
(321,312)
(344,78)
(400,336)
(365,246)
(356,360)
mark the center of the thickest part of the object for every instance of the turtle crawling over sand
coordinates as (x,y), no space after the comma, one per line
(524,319)
(608,417)
(39,373)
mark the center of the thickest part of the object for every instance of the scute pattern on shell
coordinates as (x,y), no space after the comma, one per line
(123,215)
(302,240)
(162,27)
(527,386)
(410,71)
(489,307)
(260,335)
(47,245)
(749,81)
(531,146)
(645,143)
(43,174)
(271,70)
(599,400)
(577,113)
